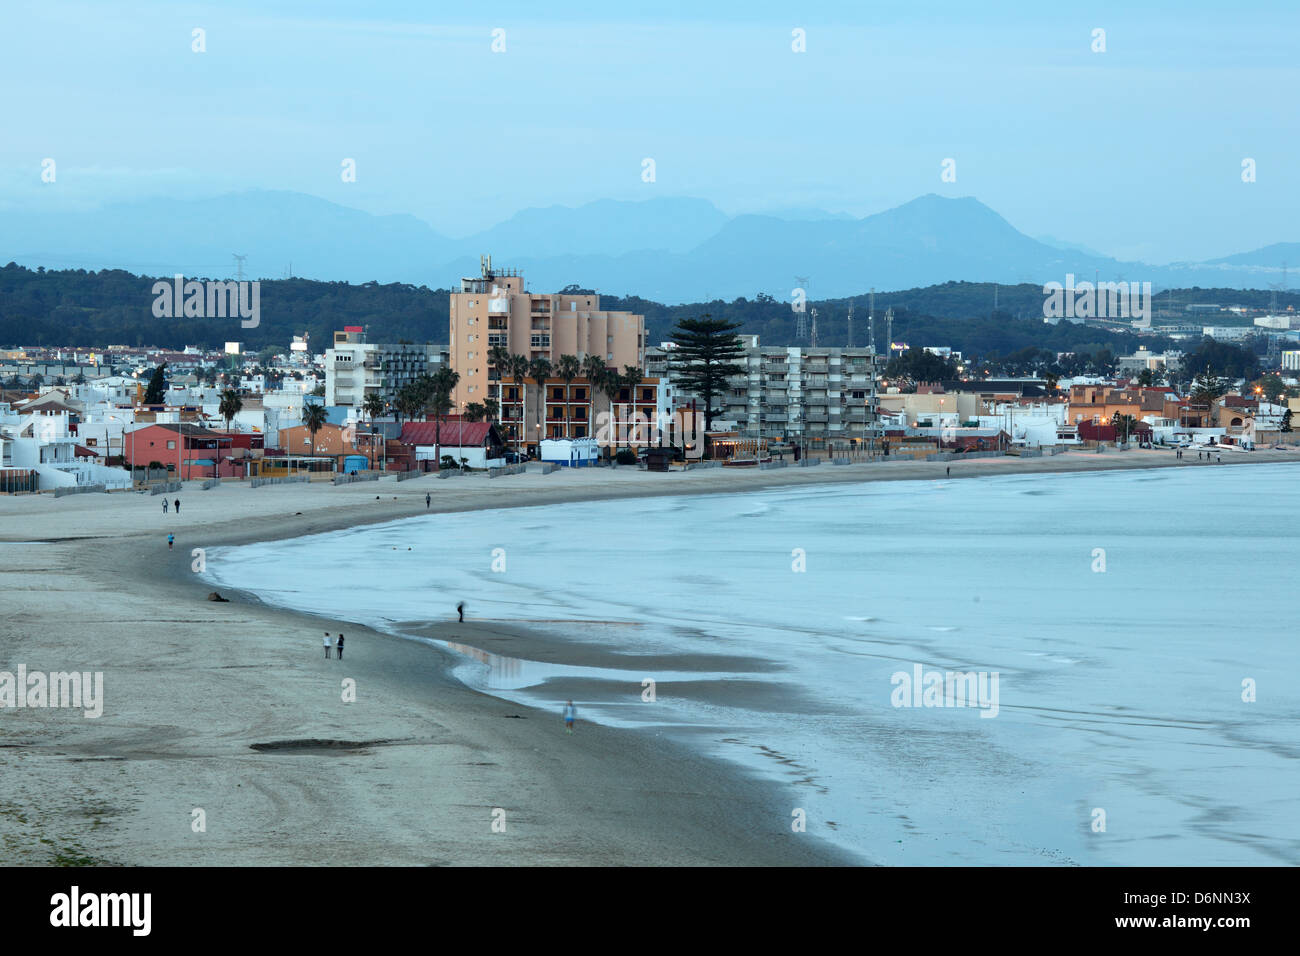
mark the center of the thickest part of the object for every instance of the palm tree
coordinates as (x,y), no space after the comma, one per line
(539,370)
(440,386)
(313,416)
(498,364)
(567,368)
(594,370)
(631,377)
(519,367)
(491,409)
(373,406)
(231,405)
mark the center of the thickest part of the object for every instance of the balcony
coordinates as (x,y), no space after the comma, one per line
(775,367)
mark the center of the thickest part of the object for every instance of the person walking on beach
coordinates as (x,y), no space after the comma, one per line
(326,642)
(570,713)
(177,503)
(948,471)
(171,539)
(164,506)
(460,610)
(340,647)
(427,499)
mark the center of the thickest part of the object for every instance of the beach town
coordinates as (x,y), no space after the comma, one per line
(222,736)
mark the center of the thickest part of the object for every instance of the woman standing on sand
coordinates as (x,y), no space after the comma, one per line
(340,647)
(326,642)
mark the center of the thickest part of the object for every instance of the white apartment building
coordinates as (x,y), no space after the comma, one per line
(355,368)
(1144,358)
(814,394)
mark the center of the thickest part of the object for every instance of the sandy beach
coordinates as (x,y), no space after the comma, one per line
(228,714)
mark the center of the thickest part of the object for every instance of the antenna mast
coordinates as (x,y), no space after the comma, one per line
(239,266)
(871,322)
(801,325)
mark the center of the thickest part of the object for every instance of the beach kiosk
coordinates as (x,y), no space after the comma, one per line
(570,452)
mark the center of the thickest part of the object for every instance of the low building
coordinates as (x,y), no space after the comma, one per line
(570,452)
(479,443)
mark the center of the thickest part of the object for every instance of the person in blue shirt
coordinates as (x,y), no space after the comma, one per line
(171,539)
(570,712)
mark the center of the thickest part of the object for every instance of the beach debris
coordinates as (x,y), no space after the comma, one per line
(214,596)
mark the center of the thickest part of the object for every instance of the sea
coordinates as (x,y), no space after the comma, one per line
(1054,669)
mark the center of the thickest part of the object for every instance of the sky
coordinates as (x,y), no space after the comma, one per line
(1136,151)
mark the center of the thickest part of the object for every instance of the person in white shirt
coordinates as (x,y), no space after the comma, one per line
(328,645)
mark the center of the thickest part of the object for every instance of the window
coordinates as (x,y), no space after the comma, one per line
(171,445)
(557,394)
(579,394)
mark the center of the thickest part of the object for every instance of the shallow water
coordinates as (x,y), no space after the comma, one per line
(1119,691)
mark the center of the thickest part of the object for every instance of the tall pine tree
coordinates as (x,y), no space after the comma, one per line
(705,358)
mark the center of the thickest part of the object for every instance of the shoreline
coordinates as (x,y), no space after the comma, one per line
(429,757)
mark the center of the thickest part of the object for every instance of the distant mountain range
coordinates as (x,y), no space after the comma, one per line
(668,250)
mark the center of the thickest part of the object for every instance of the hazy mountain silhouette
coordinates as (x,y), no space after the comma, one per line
(670,249)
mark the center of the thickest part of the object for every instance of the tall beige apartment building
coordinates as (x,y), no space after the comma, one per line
(494,308)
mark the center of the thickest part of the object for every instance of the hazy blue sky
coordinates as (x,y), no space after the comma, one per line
(1136,151)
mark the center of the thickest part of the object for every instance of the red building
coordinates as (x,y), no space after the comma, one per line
(191,451)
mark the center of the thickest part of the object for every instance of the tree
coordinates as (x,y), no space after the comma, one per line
(438,388)
(474,412)
(631,377)
(568,368)
(491,409)
(917,365)
(373,406)
(705,358)
(1207,389)
(1286,420)
(153,395)
(594,371)
(1271,387)
(1124,425)
(519,367)
(539,370)
(1223,360)
(231,405)
(313,416)
(1146,378)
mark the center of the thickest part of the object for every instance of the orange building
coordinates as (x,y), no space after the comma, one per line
(495,308)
